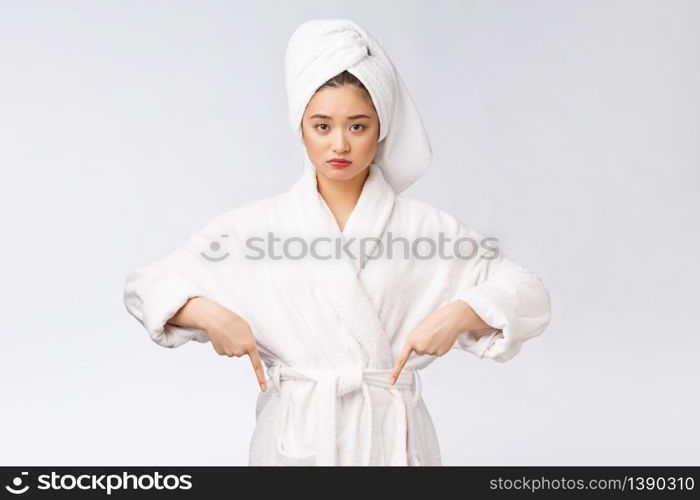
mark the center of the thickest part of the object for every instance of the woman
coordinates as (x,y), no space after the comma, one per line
(338,285)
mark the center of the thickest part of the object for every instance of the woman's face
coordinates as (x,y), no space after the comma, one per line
(340,122)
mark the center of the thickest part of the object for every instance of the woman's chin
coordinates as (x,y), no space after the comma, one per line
(339,174)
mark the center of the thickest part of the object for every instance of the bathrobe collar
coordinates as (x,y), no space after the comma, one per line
(367,220)
(339,278)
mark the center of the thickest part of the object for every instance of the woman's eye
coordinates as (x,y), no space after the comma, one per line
(322,125)
(357,125)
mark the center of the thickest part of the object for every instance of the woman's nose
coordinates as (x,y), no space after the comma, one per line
(340,144)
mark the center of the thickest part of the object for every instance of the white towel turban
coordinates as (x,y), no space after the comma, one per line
(322,48)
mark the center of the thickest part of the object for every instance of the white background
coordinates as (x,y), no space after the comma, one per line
(569,130)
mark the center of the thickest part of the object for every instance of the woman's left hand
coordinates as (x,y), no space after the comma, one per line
(438,331)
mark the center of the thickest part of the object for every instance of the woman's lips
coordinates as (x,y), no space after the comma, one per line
(340,164)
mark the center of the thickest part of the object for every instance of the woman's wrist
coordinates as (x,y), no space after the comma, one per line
(207,313)
(467,318)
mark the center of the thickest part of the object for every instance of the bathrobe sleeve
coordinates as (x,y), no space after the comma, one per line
(154,292)
(507,296)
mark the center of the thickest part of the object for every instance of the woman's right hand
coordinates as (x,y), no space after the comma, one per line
(228,332)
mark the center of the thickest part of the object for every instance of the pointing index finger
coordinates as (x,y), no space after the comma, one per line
(400,363)
(258,367)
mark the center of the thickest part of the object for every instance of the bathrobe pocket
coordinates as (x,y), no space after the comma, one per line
(294,442)
(423,447)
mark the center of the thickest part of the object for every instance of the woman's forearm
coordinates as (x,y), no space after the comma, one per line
(469,320)
(196,313)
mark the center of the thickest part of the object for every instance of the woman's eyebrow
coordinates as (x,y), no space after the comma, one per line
(326,117)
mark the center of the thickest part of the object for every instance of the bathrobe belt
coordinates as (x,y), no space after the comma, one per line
(330,385)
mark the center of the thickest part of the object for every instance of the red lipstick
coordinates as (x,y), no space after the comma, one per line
(339,162)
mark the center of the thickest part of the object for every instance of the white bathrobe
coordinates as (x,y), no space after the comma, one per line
(330,329)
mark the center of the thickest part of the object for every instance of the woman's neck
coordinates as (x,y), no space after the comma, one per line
(341,196)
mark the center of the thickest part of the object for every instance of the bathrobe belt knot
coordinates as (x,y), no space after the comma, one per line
(330,386)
